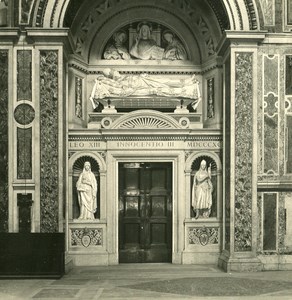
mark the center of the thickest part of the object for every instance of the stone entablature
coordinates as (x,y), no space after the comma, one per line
(82,144)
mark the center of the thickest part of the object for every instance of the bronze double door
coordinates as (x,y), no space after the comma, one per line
(145,212)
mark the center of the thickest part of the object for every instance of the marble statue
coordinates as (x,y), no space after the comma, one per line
(117,50)
(87,189)
(174,49)
(112,84)
(202,191)
(144,47)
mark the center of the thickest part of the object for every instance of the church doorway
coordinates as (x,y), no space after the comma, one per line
(145,212)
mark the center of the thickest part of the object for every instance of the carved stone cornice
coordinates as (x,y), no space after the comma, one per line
(118,136)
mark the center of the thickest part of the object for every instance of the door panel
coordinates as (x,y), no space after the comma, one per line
(145,216)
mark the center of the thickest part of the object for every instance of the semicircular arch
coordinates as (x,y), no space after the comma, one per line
(95,156)
(196,155)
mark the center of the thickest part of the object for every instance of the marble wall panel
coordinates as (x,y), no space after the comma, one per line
(270,221)
(49,168)
(227,150)
(4,140)
(24,75)
(24,153)
(289,144)
(259,222)
(271,114)
(282,223)
(243,151)
(288,75)
(271,69)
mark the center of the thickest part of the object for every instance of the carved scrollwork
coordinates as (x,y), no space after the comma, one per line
(203,235)
(86,237)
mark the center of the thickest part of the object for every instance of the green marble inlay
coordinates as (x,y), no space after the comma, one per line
(4,141)
(243,151)
(271,74)
(271,144)
(49,180)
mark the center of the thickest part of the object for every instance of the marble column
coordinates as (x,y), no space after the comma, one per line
(239,51)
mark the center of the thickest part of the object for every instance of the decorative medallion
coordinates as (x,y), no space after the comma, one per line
(106,122)
(24,114)
(184,122)
(86,240)
(204,239)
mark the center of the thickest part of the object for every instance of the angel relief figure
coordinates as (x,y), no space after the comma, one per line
(117,49)
(174,49)
(202,191)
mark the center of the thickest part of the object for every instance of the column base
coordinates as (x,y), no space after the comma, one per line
(239,264)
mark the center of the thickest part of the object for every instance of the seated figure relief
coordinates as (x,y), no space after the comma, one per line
(145,44)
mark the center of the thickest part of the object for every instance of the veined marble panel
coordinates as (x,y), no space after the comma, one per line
(270,116)
(24,75)
(271,74)
(49,180)
(282,222)
(24,153)
(4,140)
(243,151)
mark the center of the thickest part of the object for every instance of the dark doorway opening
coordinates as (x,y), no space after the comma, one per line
(145,212)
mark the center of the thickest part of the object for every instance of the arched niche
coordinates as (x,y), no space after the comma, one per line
(192,166)
(230,14)
(197,28)
(76,165)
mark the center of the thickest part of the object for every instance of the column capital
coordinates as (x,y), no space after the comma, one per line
(238,39)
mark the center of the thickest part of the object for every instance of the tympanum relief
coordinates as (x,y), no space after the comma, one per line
(145,41)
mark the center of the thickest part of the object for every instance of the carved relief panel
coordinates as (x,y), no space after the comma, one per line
(145,40)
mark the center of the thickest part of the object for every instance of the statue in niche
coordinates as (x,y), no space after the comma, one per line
(117,50)
(174,49)
(113,84)
(86,190)
(202,191)
(144,47)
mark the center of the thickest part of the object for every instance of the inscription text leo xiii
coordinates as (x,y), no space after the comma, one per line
(80,145)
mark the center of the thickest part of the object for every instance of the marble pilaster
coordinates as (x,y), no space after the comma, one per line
(241,153)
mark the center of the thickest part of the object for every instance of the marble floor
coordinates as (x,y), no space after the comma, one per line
(152,281)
